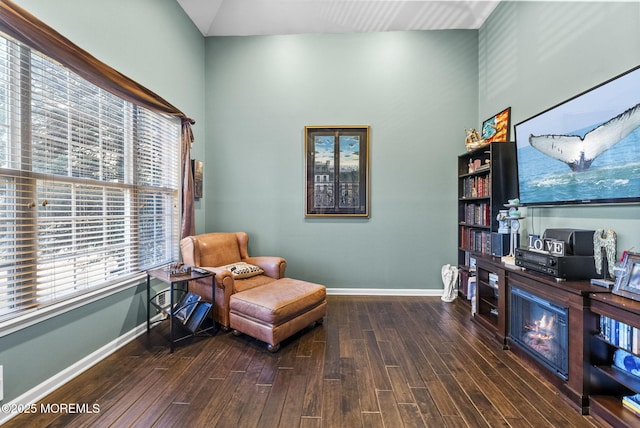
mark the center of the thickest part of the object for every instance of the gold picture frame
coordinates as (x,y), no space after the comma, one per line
(337,171)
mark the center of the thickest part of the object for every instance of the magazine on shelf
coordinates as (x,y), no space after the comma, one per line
(185,307)
(631,403)
(198,316)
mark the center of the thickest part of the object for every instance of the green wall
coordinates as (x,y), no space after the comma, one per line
(534,55)
(153,42)
(418,92)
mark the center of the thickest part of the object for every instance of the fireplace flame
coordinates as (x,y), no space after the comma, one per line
(543,328)
(544,324)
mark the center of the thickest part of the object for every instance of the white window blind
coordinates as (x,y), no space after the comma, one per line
(89,184)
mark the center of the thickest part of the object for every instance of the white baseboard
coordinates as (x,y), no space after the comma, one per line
(385,292)
(48,386)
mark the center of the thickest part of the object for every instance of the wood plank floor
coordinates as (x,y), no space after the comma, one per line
(375,362)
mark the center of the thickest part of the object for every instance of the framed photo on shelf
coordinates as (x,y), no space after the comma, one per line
(337,171)
(628,280)
(497,127)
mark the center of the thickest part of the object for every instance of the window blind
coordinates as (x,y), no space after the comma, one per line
(89,184)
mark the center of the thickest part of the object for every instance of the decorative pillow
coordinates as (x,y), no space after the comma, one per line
(244,270)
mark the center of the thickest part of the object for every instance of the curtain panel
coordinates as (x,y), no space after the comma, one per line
(24,27)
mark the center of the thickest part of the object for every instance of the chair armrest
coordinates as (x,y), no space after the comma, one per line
(273,267)
(224,278)
(224,284)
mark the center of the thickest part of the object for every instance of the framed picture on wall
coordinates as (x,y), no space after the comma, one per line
(337,171)
(196,168)
(497,127)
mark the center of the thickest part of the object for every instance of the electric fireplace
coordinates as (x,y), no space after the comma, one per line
(540,328)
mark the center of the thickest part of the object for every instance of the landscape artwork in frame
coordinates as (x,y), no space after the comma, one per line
(628,280)
(337,171)
(497,128)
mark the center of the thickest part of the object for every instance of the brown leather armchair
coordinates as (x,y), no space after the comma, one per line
(213,251)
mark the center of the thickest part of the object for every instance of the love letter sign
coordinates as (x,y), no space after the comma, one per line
(550,246)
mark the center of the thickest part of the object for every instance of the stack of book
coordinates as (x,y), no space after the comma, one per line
(475,240)
(632,403)
(620,334)
(476,187)
(477,214)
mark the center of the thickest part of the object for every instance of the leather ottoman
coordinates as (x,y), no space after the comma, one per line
(275,311)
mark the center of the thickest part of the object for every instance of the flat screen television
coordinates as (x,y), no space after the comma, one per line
(585,150)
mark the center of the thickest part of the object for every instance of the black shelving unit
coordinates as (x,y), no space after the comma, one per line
(486,180)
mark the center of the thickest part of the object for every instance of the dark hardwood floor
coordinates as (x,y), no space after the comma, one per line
(376,362)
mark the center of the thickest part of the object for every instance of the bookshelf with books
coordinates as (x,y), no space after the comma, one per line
(615,360)
(486,180)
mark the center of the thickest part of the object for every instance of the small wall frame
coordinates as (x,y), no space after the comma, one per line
(497,128)
(197,170)
(337,171)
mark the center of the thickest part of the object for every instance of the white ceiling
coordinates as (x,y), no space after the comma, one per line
(264,17)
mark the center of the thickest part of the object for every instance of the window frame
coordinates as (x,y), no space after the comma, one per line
(14,320)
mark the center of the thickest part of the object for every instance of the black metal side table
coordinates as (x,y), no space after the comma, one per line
(177,283)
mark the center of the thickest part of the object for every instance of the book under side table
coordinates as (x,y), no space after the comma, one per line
(177,283)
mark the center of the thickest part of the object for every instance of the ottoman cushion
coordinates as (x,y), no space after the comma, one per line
(278,301)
